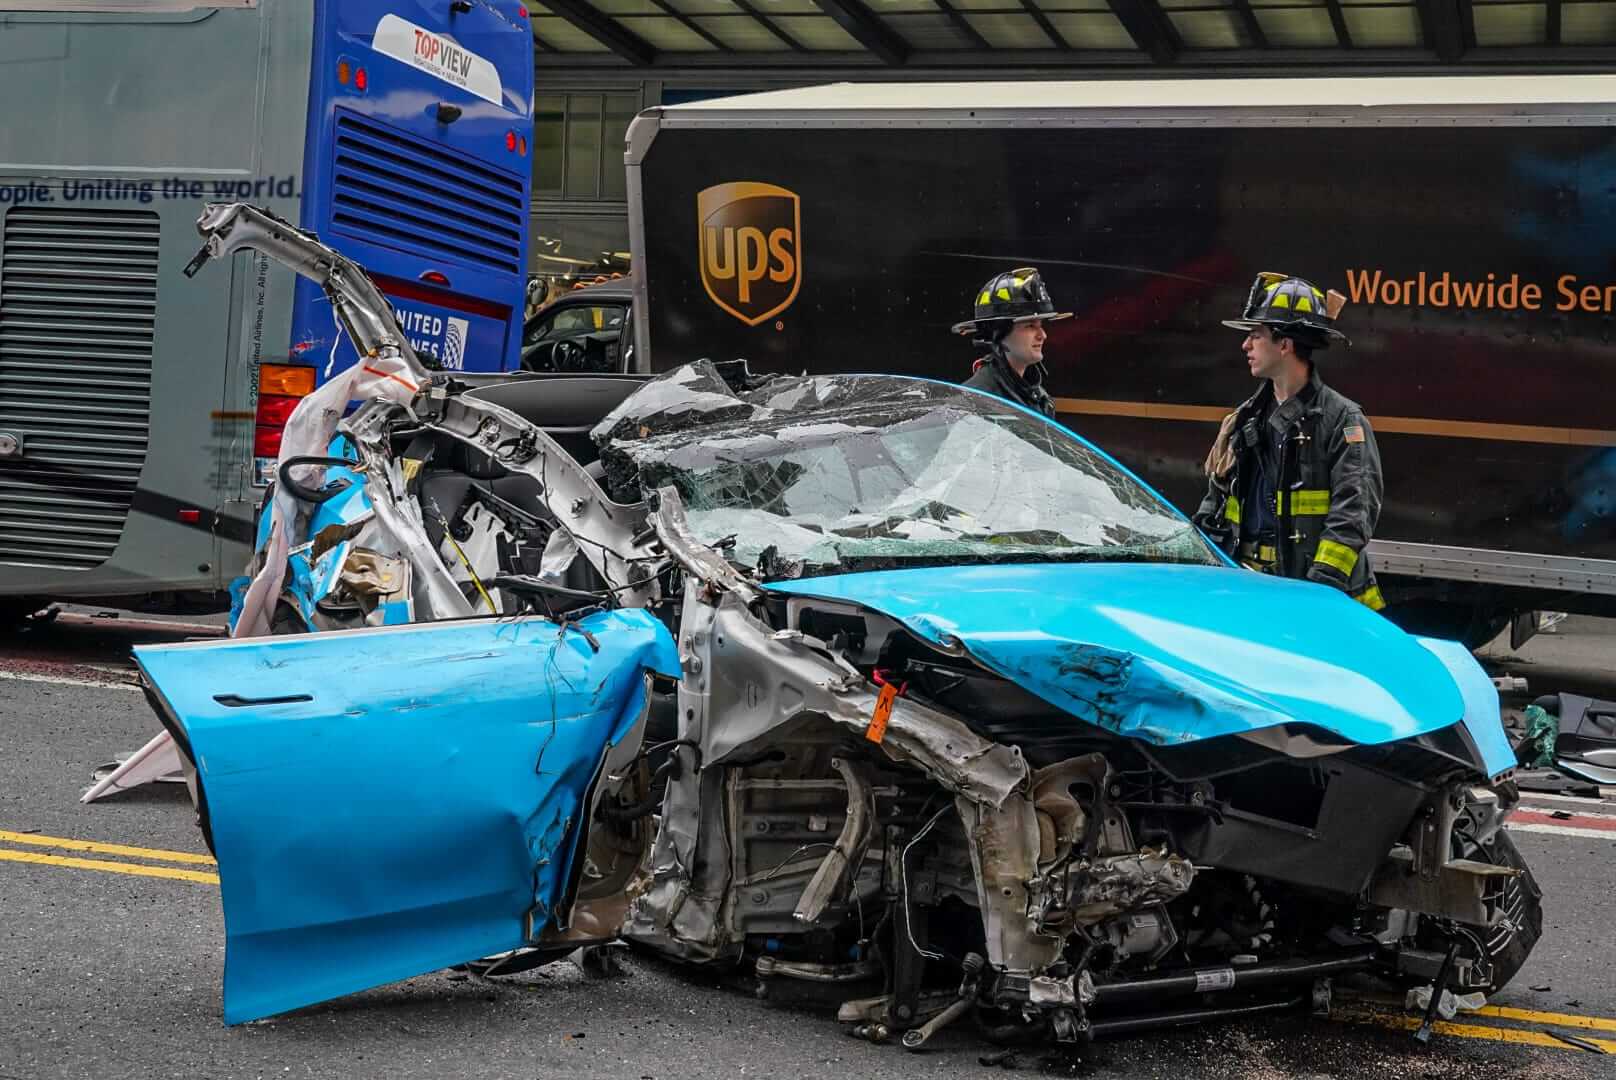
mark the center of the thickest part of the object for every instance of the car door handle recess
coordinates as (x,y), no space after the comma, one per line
(236,701)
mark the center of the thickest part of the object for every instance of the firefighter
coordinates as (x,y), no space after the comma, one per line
(1008,324)
(1293,478)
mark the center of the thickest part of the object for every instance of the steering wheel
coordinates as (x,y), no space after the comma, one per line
(567,356)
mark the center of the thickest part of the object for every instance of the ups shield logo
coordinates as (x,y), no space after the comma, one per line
(750,248)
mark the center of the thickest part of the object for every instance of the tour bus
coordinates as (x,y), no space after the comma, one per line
(140,411)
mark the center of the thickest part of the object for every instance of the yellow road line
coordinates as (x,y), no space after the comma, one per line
(1393,1003)
(1532,1016)
(67,844)
(1403,425)
(41,859)
(1518,1036)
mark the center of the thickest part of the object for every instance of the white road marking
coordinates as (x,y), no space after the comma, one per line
(67,680)
(1576,813)
(1560,830)
(1584,800)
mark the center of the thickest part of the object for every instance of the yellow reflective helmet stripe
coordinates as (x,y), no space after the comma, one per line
(1279,299)
(984,298)
(1371,598)
(1304,303)
(1231,509)
(1337,555)
(1003,293)
(1308,501)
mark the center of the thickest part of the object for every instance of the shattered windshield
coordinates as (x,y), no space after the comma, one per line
(961,480)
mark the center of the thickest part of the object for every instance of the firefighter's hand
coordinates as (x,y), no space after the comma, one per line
(1327,575)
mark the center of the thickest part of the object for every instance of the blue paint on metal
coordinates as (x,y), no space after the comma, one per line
(308,581)
(395,613)
(420,804)
(238,595)
(344,508)
(1482,717)
(1172,654)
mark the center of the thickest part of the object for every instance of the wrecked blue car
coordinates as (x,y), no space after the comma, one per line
(891,693)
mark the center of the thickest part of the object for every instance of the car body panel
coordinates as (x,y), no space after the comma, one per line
(1483,719)
(1172,654)
(386,802)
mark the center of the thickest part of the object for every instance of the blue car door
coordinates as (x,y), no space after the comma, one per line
(391,801)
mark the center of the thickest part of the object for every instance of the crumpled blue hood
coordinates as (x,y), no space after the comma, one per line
(1173,654)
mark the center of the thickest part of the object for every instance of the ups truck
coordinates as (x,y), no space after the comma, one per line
(1470,221)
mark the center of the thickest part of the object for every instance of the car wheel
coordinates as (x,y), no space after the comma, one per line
(1506,946)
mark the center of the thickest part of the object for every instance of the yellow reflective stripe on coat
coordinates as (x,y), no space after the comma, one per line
(1337,555)
(1371,598)
(1231,509)
(1308,501)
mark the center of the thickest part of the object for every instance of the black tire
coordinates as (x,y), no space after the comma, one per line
(1506,946)
(14,610)
(1509,944)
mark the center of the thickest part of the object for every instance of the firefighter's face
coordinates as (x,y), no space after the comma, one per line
(1264,355)
(1024,345)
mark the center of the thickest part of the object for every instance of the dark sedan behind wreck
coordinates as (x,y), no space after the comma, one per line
(897,693)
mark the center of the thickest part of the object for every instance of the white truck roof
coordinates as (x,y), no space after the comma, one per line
(1490,92)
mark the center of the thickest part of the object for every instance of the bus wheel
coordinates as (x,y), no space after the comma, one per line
(15,610)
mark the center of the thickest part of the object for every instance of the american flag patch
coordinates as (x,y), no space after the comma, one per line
(1353,433)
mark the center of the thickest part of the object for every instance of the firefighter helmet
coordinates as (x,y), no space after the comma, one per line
(1016,296)
(1293,308)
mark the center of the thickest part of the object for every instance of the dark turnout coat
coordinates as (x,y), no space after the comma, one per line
(1328,493)
(995,375)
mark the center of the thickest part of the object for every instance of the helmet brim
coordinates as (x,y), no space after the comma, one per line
(1326,334)
(970,326)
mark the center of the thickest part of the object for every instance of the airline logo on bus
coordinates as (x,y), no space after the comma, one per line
(438,56)
(750,247)
(443,338)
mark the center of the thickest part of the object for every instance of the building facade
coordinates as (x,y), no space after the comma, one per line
(599,62)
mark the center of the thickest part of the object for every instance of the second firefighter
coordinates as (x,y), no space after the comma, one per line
(1293,480)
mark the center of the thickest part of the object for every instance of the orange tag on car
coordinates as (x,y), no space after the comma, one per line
(883,712)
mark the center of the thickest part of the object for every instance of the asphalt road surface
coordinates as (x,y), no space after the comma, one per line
(112,949)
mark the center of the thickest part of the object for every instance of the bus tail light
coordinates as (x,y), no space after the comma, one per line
(350,73)
(280,388)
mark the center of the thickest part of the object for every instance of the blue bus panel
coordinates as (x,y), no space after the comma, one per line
(417,166)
